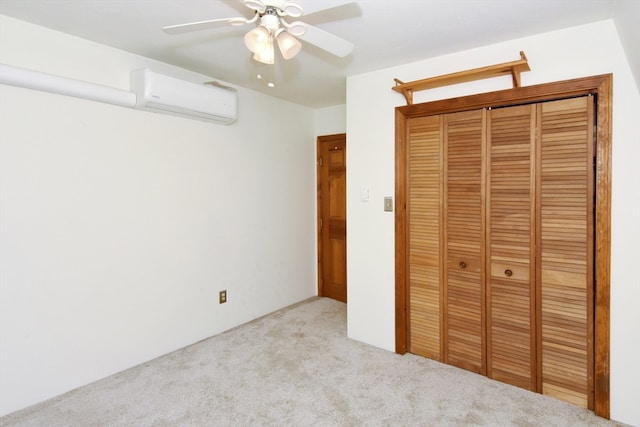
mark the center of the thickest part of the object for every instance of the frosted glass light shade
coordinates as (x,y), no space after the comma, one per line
(257,40)
(266,55)
(289,45)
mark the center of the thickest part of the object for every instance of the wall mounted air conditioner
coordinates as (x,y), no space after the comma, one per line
(163,94)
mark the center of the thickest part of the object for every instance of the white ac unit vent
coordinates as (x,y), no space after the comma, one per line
(163,94)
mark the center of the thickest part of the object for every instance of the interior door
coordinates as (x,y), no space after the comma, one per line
(510,246)
(424,163)
(332,216)
(464,283)
(566,265)
(571,233)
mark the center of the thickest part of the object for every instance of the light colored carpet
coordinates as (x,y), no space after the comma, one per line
(296,367)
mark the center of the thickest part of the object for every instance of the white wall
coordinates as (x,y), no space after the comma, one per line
(627,18)
(331,120)
(577,52)
(118,227)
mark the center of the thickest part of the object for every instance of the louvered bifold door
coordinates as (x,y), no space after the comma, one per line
(463,308)
(424,163)
(566,236)
(510,246)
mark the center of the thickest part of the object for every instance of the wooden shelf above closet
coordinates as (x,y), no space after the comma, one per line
(514,68)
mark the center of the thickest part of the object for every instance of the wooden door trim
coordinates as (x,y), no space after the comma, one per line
(600,86)
(319,215)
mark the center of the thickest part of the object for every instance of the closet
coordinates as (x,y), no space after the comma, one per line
(498,211)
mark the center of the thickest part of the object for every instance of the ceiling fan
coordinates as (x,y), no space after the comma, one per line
(272,27)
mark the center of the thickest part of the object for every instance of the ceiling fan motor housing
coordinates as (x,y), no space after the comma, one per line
(270,20)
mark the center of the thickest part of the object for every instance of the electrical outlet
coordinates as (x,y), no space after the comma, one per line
(222,297)
(388,204)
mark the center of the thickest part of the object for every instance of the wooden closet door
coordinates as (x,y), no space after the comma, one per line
(463,293)
(510,246)
(476,315)
(424,182)
(566,249)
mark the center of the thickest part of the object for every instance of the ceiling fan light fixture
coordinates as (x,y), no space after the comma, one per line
(289,45)
(271,17)
(266,55)
(258,39)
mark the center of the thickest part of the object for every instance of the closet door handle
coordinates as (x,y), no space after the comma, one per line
(508,273)
(463,264)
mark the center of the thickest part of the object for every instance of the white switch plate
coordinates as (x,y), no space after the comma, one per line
(364,194)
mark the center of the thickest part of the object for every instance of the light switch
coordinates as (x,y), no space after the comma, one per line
(388,204)
(364,194)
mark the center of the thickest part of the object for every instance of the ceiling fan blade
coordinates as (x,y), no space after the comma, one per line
(326,41)
(204,25)
(317,6)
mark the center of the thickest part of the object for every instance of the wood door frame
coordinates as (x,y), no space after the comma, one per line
(319,140)
(600,86)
